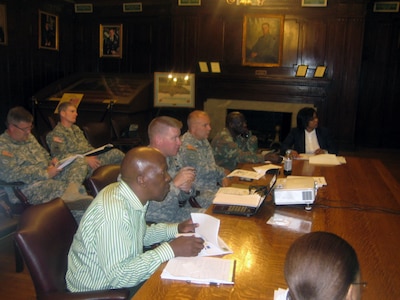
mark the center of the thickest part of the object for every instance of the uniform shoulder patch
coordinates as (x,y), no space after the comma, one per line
(191,147)
(6,153)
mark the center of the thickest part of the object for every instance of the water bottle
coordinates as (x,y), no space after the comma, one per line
(287,166)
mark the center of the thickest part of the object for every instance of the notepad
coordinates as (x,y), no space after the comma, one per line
(200,270)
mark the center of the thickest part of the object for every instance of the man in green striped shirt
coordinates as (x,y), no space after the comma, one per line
(107,250)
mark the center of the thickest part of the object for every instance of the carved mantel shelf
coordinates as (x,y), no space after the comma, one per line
(279,89)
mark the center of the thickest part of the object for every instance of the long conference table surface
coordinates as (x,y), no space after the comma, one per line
(361,203)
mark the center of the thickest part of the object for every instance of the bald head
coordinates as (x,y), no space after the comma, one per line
(144,169)
(199,124)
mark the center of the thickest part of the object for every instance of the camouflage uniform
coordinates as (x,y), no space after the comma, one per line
(198,154)
(229,151)
(27,162)
(169,210)
(64,142)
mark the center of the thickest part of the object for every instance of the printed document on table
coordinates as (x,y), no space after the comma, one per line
(208,230)
(264,168)
(200,270)
(245,174)
(237,196)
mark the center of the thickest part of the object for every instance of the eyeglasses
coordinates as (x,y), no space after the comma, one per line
(26,129)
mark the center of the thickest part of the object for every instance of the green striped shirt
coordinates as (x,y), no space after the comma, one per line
(107,250)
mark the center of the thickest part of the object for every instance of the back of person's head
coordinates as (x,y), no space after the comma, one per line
(18,114)
(160,125)
(320,266)
(304,116)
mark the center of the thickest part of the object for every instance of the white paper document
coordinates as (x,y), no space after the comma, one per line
(319,180)
(237,196)
(324,159)
(208,229)
(264,168)
(200,270)
(66,161)
(245,174)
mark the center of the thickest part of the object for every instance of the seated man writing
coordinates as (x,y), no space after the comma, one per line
(67,139)
(107,250)
(23,159)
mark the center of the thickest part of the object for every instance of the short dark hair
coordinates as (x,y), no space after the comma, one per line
(18,114)
(160,124)
(320,265)
(233,116)
(304,116)
(64,105)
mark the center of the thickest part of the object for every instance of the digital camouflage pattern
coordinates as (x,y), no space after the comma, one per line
(169,210)
(198,154)
(27,162)
(229,151)
(64,142)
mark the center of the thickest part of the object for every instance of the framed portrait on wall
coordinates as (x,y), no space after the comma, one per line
(262,40)
(174,89)
(48,31)
(111,40)
(3,25)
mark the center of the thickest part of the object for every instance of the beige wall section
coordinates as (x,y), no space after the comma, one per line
(216,108)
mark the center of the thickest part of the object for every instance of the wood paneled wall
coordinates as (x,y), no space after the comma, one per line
(359,48)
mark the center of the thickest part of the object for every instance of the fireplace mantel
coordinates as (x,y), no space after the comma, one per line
(216,93)
(277,89)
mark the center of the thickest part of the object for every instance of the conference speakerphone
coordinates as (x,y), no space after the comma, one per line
(295,191)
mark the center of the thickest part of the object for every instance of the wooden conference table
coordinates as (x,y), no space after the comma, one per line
(260,249)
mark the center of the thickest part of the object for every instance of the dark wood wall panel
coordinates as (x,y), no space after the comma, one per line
(360,49)
(379,106)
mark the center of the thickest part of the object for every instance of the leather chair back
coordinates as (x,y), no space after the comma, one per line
(44,236)
(101,177)
(98,133)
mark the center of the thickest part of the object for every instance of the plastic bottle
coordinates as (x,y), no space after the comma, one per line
(287,166)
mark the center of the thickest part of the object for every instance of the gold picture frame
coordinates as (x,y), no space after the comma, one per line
(48,31)
(3,25)
(262,40)
(83,8)
(132,7)
(189,2)
(111,40)
(386,7)
(174,89)
(314,3)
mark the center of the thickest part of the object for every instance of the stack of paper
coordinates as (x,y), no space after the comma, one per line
(326,159)
(200,270)
(245,174)
(237,196)
(264,168)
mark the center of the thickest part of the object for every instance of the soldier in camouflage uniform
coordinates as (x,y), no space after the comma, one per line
(67,139)
(196,152)
(164,134)
(23,159)
(236,144)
